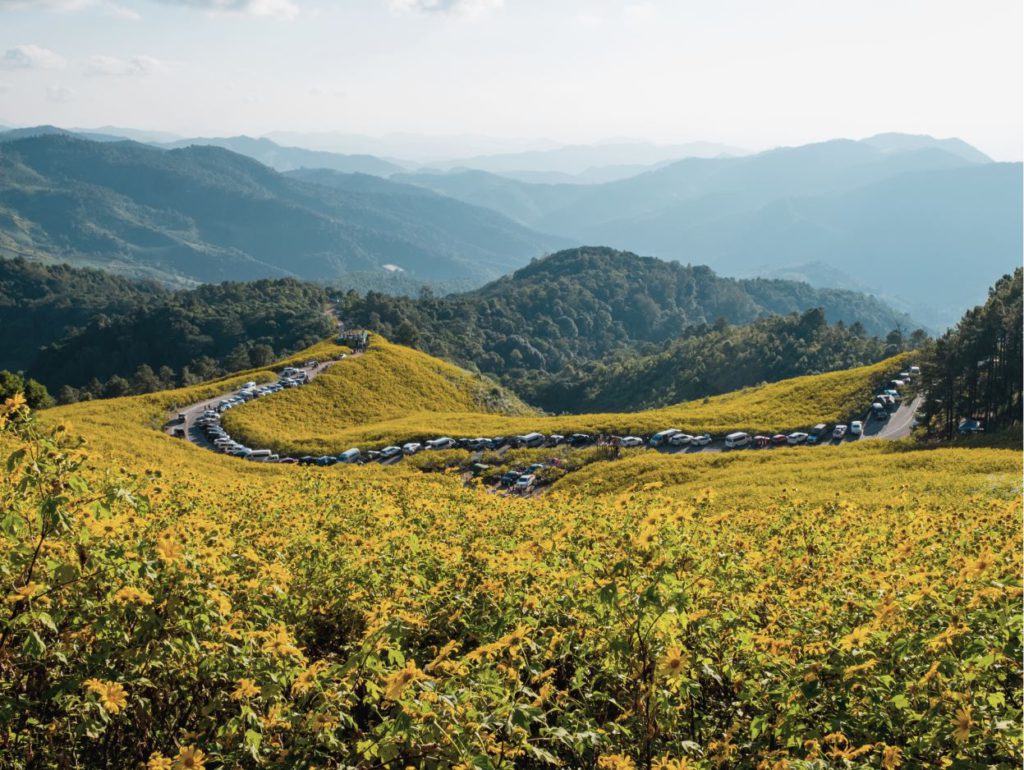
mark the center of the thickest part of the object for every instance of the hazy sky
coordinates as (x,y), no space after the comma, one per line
(743,72)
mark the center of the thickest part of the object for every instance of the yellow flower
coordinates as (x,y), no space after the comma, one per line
(615,762)
(158,761)
(246,689)
(892,757)
(112,695)
(962,724)
(132,595)
(401,679)
(21,593)
(667,763)
(190,758)
(672,663)
(169,549)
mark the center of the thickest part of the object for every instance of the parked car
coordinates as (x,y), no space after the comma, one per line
(349,456)
(580,439)
(535,467)
(894,395)
(631,441)
(856,427)
(307,460)
(390,451)
(915,371)
(737,440)
(839,432)
(497,442)
(796,437)
(680,439)
(508,479)
(371,456)
(761,441)
(325,460)
(555,439)
(969,426)
(531,440)
(288,461)
(411,448)
(780,439)
(879,410)
(702,440)
(816,433)
(441,443)
(664,436)
(525,482)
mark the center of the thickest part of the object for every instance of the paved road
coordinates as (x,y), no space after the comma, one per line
(899,424)
(192,412)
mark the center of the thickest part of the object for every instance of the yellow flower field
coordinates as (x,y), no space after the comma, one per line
(393,394)
(169,607)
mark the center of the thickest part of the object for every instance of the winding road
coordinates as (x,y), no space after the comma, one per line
(899,424)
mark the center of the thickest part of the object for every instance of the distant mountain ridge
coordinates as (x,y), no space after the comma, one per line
(282,158)
(208,214)
(791,206)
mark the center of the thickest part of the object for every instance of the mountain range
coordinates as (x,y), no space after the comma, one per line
(203,213)
(926,222)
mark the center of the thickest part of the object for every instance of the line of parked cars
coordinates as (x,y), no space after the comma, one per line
(292,377)
(209,420)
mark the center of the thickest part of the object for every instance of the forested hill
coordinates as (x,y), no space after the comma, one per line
(710,361)
(41,303)
(85,333)
(186,337)
(973,372)
(581,304)
(208,214)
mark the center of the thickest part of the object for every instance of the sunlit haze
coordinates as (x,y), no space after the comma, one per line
(493,75)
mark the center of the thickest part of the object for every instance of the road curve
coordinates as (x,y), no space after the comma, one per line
(898,425)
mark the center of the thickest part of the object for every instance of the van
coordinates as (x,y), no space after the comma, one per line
(260,454)
(737,440)
(662,436)
(915,370)
(532,440)
(349,456)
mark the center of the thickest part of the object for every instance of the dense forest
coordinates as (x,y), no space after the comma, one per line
(535,329)
(973,372)
(41,303)
(707,361)
(86,334)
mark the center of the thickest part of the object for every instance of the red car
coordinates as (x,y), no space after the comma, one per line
(761,441)
(780,439)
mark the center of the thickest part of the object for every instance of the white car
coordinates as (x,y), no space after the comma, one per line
(796,438)
(390,451)
(441,443)
(411,448)
(856,427)
(680,439)
(839,432)
(702,440)
(525,482)
(631,441)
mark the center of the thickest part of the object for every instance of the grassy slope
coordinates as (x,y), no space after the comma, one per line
(393,394)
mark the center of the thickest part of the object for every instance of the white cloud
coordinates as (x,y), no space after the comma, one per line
(283,9)
(58,92)
(115,67)
(640,11)
(108,7)
(30,57)
(448,7)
